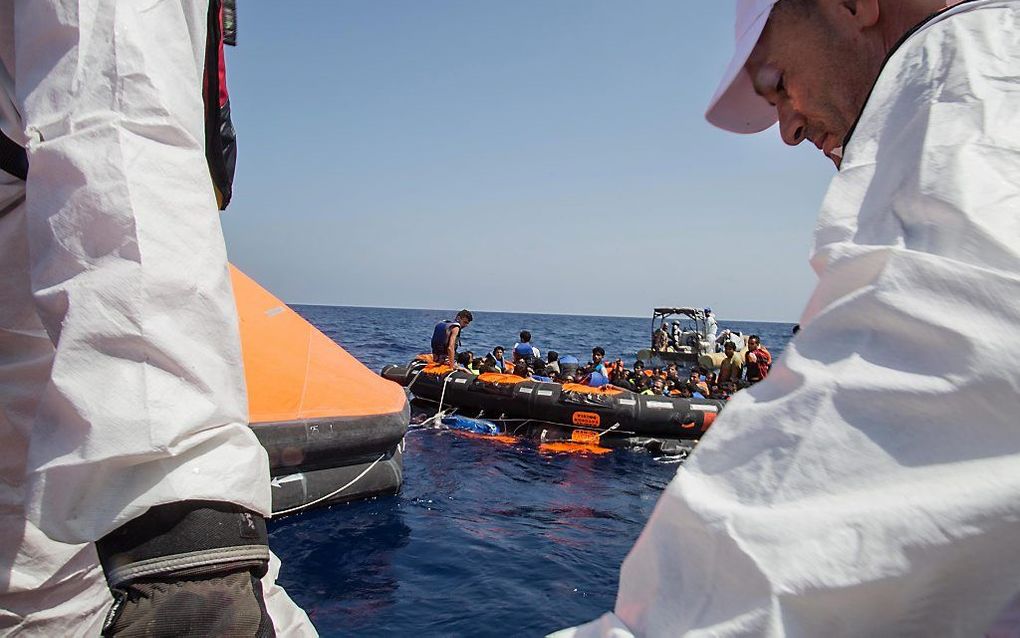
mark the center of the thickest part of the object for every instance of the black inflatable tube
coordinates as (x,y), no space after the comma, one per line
(302,489)
(644,415)
(317,444)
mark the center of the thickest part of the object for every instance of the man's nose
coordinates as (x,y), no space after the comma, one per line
(792,126)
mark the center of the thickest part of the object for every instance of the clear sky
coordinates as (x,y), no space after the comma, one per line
(521,155)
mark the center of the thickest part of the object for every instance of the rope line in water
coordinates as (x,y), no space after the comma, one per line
(333,493)
(437,417)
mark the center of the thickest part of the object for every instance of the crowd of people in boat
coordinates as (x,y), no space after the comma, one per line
(737,370)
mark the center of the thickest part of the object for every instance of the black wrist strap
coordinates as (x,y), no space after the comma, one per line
(189,537)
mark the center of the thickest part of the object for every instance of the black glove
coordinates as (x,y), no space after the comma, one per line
(188,569)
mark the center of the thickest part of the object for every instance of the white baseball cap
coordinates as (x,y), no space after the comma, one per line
(735,106)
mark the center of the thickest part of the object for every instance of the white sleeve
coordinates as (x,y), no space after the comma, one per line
(146,400)
(869,485)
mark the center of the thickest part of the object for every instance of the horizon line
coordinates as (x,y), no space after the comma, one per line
(514,312)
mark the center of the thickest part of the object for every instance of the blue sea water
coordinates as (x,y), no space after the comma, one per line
(485,538)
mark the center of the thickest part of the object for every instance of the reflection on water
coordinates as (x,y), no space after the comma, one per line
(345,562)
(487,538)
(480,531)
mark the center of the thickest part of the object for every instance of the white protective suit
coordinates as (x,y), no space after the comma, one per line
(121,381)
(871,485)
(711,328)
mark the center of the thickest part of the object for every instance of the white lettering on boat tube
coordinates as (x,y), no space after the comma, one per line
(704,408)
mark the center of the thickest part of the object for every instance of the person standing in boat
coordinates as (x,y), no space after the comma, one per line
(711,327)
(660,338)
(676,336)
(446,337)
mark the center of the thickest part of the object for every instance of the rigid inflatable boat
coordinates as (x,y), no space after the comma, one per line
(503,396)
(333,429)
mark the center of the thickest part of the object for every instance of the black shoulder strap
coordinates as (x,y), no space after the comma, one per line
(220,137)
(13,158)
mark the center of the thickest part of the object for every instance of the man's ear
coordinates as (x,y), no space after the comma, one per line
(864,12)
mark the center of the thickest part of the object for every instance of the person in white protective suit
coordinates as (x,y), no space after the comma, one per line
(122,400)
(871,485)
(711,327)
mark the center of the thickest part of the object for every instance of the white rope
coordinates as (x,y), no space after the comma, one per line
(609,429)
(442,395)
(333,493)
(518,428)
(438,416)
(416,375)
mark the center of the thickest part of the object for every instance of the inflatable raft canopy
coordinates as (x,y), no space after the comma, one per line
(332,427)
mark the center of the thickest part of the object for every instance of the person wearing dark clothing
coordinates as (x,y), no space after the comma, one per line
(497,358)
(758,360)
(464,361)
(552,365)
(620,379)
(446,337)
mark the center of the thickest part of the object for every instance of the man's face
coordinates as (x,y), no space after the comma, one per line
(464,322)
(729,350)
(816,65)
(752,345)
(498,352)
(596,357)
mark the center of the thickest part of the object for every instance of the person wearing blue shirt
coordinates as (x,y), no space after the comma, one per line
(524,349)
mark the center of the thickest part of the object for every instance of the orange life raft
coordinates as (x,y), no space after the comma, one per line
(333,428)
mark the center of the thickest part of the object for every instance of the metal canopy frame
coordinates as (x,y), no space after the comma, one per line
(697,315)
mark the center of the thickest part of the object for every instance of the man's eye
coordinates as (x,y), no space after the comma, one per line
(780,85)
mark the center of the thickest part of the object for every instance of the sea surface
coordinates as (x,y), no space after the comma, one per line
(485,539)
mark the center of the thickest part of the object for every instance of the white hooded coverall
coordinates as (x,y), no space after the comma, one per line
(121,380)
(871,485)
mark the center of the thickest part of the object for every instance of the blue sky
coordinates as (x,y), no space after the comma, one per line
(521,155)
